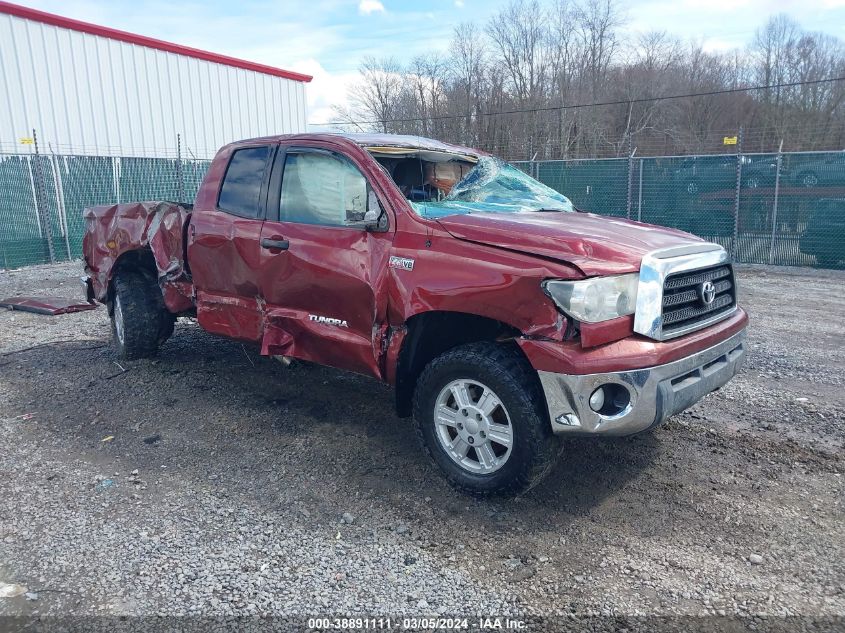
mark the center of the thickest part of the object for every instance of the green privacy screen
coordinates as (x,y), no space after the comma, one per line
(37,190)
(763,208)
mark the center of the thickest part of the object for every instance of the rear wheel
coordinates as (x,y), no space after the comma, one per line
(140,320)
(480,416)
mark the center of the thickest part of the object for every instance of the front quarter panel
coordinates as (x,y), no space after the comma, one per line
(458,276)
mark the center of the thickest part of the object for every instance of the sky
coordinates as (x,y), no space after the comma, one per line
(329,38)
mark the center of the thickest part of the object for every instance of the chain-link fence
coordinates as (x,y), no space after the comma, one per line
(781,208)
(42,197)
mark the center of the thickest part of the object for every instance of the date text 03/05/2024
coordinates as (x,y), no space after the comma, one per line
(417,623)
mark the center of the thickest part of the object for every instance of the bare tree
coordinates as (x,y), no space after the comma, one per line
(468,62)
(565,65)
(518,35)
(381,87)
(521,85)
(598,21)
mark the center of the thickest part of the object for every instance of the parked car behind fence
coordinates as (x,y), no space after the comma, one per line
(824,236)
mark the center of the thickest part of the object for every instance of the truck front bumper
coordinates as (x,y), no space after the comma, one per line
(639,399)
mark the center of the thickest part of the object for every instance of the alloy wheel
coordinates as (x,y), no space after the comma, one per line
(473,426)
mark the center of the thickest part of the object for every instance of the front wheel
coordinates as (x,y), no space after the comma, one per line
(481,417)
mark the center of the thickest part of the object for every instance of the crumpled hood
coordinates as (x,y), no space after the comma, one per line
(598,245)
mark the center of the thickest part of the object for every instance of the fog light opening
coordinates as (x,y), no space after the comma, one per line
(610,400)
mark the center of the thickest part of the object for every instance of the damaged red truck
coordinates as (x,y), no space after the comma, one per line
(504,318)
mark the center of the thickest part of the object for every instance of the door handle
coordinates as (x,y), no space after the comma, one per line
(281,245)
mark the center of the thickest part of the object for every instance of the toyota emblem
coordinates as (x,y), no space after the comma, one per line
(707,292)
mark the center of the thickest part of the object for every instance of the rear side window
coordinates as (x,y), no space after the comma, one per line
(241,190)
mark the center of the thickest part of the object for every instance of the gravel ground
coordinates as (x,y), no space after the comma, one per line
(214,481)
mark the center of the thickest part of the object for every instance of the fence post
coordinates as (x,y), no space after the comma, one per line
(640,195)
(736,199)
(41,205)
(30,166)
(775,202)
(629,201)
(60,202)
(180,177)
(115,174)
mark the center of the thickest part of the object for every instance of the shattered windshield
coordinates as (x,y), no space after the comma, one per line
(494,186)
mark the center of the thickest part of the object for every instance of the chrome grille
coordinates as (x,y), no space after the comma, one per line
(683,308)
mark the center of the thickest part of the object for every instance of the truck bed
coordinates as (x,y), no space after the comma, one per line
(155,229)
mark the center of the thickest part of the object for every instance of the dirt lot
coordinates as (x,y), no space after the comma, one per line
(214,481)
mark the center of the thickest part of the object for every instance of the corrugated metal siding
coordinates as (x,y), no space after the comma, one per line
(89,94)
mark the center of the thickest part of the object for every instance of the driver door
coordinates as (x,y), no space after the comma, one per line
(322,272)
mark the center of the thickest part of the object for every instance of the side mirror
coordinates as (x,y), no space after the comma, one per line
(373,207)
(373,219)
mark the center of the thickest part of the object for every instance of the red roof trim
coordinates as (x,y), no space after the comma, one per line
(142,40)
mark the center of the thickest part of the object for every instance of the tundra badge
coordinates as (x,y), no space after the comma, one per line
(328,320)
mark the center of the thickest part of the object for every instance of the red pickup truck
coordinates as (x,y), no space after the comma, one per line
(505,318)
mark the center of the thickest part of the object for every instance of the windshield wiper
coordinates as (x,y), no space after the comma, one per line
(552,211)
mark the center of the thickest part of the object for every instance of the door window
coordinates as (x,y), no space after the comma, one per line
(321,189)
(240,192)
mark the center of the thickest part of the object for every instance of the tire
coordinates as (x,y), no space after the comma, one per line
(140,320)
(513,383)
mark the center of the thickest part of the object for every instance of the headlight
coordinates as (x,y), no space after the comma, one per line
(596,299)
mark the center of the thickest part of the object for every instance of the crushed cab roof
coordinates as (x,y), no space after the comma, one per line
(374,140)
(409,141)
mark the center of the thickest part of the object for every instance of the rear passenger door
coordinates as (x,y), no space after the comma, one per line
(325,283)
(223,246)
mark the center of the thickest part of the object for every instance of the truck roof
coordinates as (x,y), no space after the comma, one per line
(370,140)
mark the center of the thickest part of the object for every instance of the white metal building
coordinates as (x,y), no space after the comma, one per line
(90,89)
